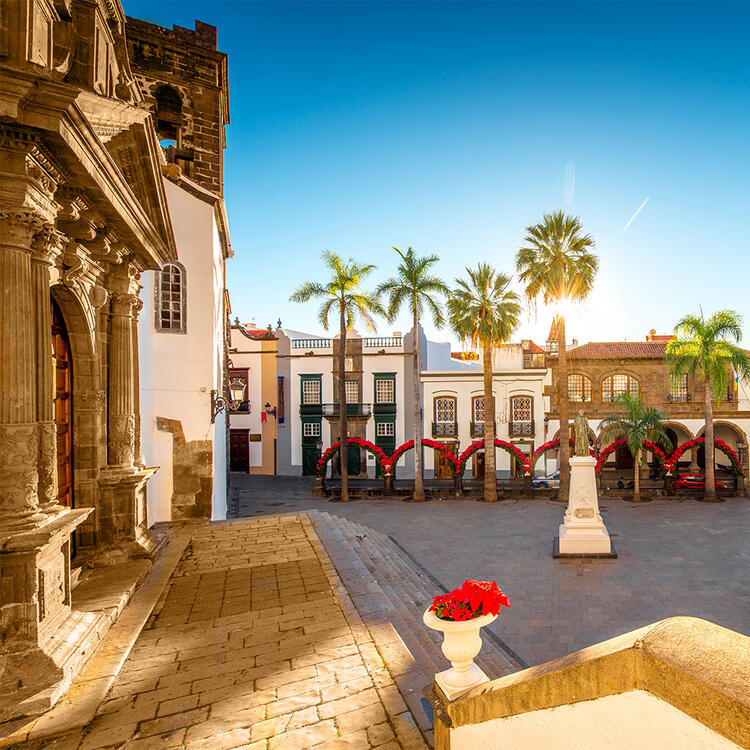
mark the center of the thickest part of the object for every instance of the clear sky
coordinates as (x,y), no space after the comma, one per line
(451,126)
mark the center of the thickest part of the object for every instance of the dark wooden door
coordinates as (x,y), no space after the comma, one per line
(442,467)
(62,364)
(478,468)
(239,450)
(310,456)
(623,458)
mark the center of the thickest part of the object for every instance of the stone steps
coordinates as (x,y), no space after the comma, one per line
(391,593)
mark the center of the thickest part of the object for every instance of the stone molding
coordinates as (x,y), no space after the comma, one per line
(698,667)
(19,478)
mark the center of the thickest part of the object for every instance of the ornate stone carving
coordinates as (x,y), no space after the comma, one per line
(89,399)
(47,466)
(121,439)
(19,452)
(18,227)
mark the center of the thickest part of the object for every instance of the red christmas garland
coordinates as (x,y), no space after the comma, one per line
(613,446)
(720,444)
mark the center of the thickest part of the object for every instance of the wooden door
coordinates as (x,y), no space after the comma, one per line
(478,467)
(63,371)
(239,450)
(623,458)
(442,467)
(310,456)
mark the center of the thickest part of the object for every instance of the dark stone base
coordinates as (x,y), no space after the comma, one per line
(557,555)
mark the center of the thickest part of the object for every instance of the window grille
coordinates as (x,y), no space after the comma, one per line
(445,410)
(579,388)
(678,388)
(311,429)
(521,409)
(352,392)
(310,391)
(614,385)
(384,391)
(478,410)
(171,299)
(385,429)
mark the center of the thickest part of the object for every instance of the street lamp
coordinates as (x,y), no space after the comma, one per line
(219,401)
(269,410)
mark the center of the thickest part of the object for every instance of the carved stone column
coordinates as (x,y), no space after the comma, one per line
(19,434)
(121,417)
(46,246)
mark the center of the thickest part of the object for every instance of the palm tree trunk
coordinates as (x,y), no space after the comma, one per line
(562,408)
(343,433)
(637,477)
(490,474)
(709,451)
(418,495)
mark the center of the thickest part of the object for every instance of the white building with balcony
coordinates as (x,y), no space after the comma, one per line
(453,398)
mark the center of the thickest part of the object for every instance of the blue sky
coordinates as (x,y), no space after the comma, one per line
(451,126)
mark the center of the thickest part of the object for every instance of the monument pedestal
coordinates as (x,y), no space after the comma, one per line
(583,532)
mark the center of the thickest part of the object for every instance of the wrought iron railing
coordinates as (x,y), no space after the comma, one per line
(444,429)
(382,342)
(352,410)
(521,429)
(311,343)
(477,429)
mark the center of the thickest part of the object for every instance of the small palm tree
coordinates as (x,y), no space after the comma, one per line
(484,311)
(557,265)
(417,288)
(343,294)
(637,424)
(704,347)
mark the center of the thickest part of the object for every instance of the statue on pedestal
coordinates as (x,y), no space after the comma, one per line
(581,432)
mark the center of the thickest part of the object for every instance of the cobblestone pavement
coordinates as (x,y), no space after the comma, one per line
(252,645)
(676,557)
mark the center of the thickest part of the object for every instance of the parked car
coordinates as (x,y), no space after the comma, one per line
(553,480)
(696,482)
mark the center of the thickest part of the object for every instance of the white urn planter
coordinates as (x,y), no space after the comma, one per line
(461,643)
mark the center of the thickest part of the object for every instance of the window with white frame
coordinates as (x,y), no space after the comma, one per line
(384,391)
(385,429)
(352,392)
(579,388)
(311,429)
(310,391)
(477,410)
(445,410)
(170,298)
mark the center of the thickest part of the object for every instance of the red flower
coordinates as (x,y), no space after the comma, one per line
(473,599)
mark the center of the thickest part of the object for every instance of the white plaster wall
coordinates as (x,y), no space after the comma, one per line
(178,371)
(626,721)
(464,386)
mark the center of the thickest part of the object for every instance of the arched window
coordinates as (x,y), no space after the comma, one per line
(168,115)
(170,298)
(619,383)
(445,417)
(521,416)
(579,388)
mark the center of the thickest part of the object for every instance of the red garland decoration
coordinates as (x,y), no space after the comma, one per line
(720,444)
(604,455)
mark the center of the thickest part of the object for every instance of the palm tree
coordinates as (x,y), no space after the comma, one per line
(416,287)
(342,293)
(484,311)
(638,423)
(557,265)
(704,347)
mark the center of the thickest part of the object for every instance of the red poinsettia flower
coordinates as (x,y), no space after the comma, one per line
(473,599)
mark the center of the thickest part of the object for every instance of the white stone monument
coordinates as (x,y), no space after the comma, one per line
(583,531)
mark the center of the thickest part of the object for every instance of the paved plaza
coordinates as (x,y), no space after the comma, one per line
(675,557)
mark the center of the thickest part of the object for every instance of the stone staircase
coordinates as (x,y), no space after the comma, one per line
(391,592)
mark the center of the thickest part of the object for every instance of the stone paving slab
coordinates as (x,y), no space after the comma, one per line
(676,557)
(253,644)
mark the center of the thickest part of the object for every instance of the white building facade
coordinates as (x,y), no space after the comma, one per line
(182,356)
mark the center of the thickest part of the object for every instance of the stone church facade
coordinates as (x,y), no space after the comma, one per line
(83,214)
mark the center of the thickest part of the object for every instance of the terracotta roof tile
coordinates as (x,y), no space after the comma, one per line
(534,348)
(619,349)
